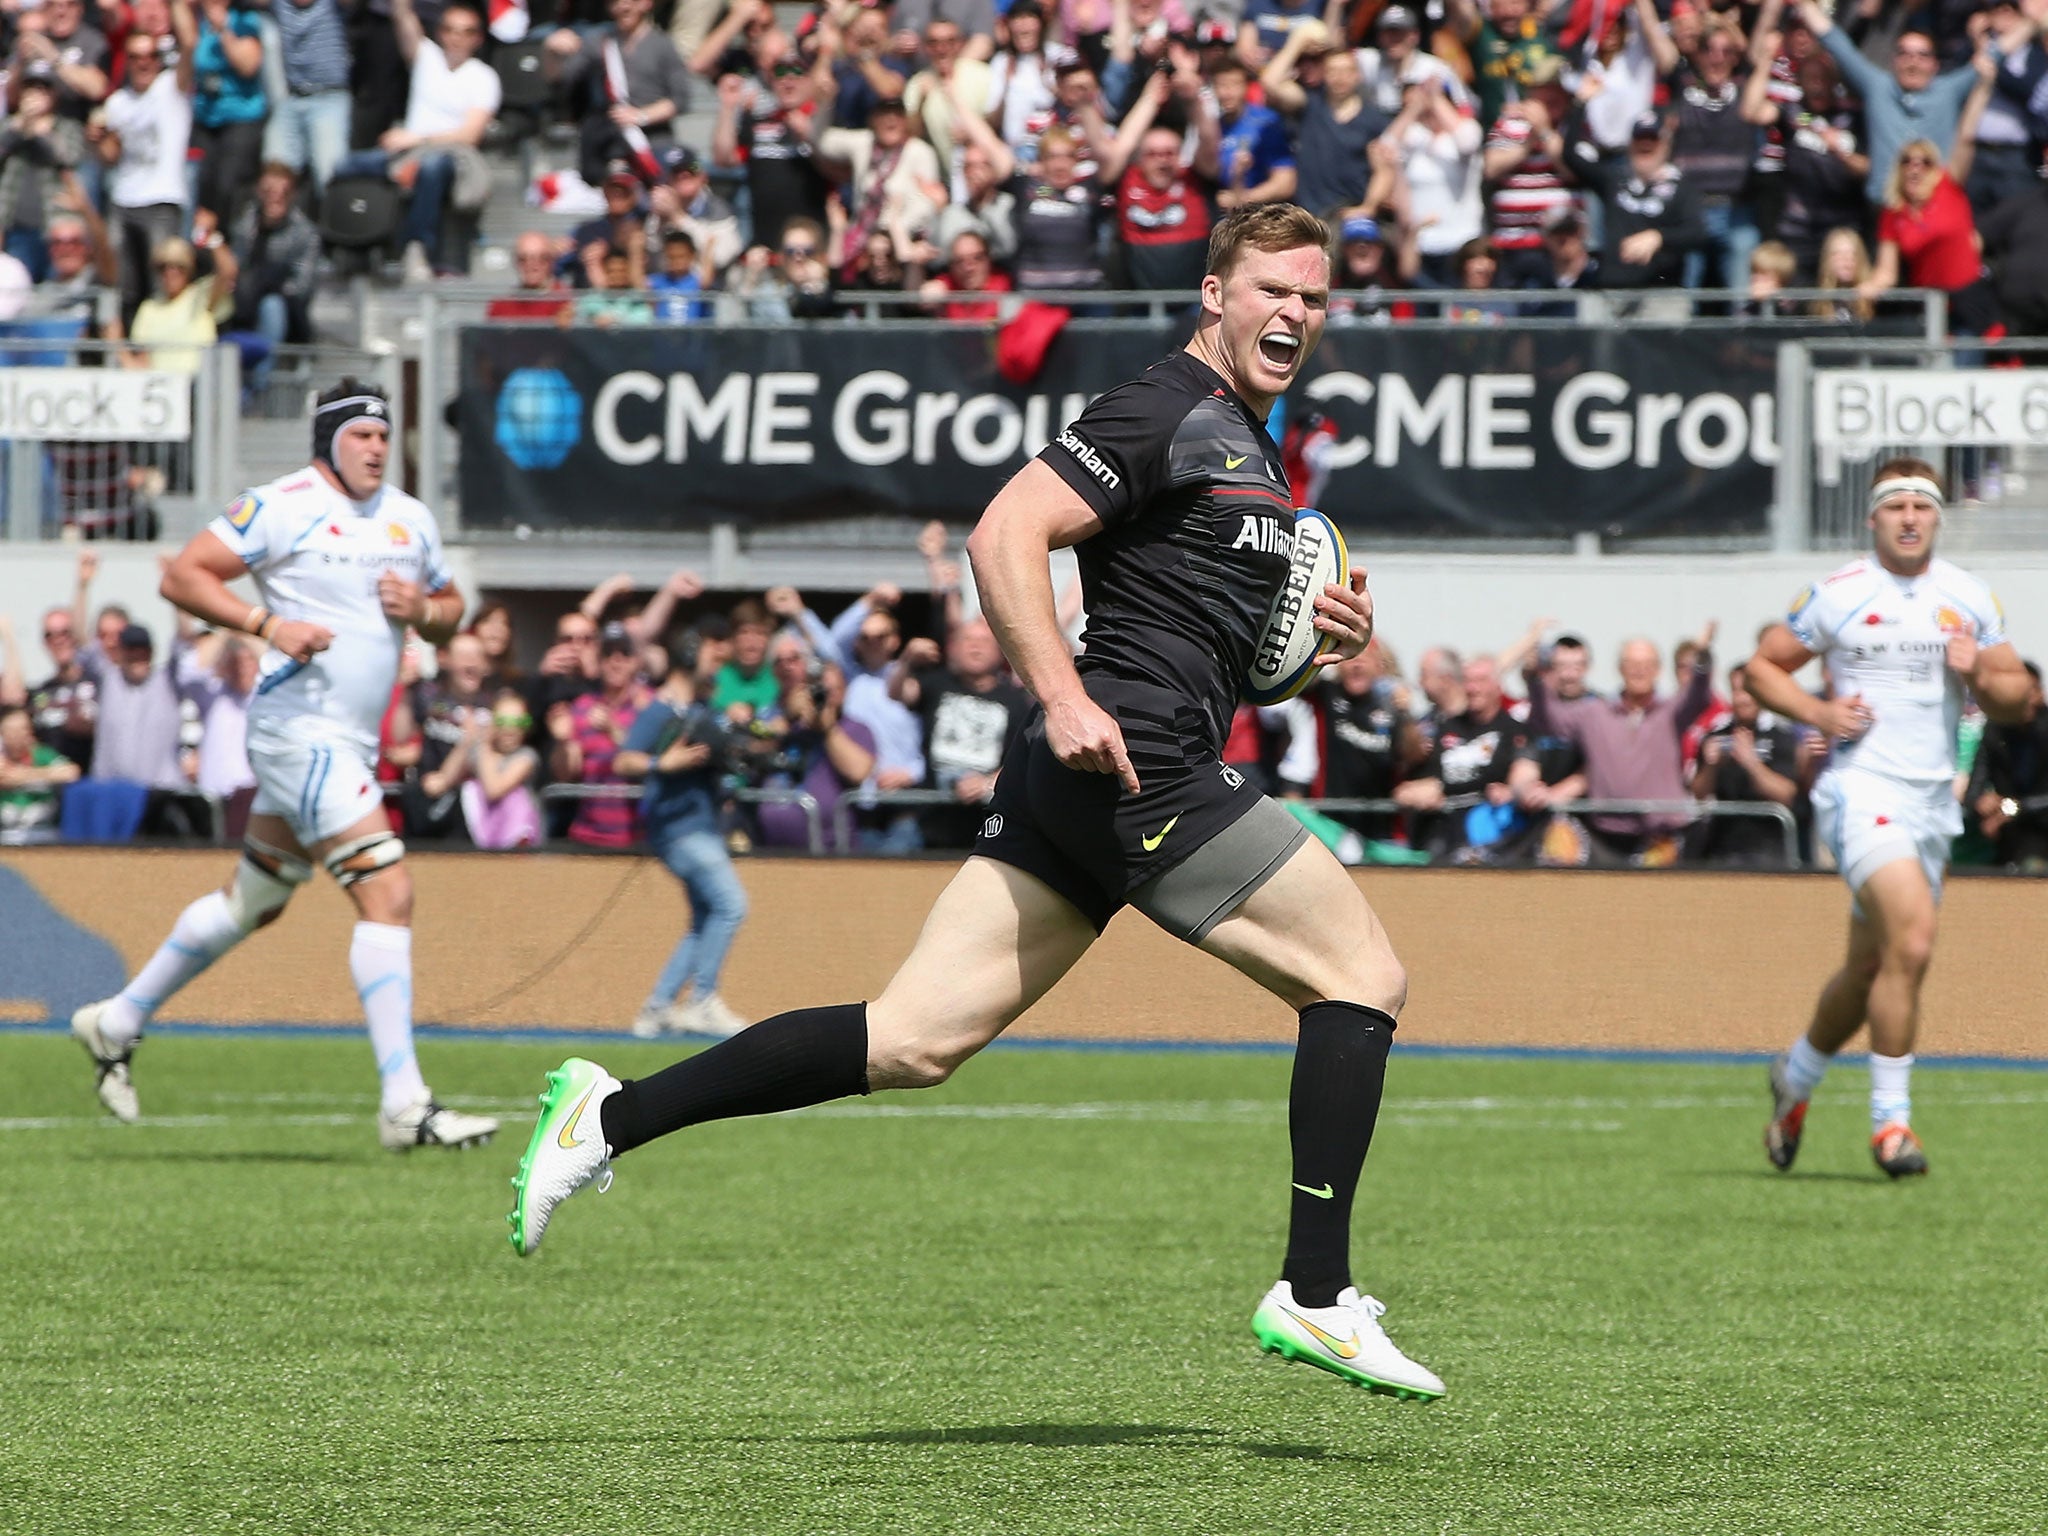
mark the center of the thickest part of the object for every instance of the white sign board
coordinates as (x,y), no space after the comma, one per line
(95,405)
(1859,411)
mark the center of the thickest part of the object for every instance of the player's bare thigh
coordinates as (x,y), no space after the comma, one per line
(1308,935)
(1900,906)
(994,943)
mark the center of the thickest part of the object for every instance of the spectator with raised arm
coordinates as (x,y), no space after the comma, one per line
(499,805)
(1650,215)
(635,86)
(433,154)
(1911,101)
(971,713)
(893,182)
(143,141)
(588,735)
(309,125)
(824,755)
(1633,751)
(1255,160)
(949,90)
(1334,128)
(898,735)
(220,62)
(1825,160)
(82,263)
(38,150)
(1059,213)
(58,35)
(184,313)
(1438,150)
(1163,202)
(771,135)
(973,20)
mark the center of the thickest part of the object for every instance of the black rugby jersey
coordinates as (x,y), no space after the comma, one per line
(1198,535)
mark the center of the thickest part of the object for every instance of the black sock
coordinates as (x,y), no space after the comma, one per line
(786,1062)
(1339,1065)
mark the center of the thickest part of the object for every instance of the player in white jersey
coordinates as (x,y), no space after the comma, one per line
(1903,635)
(343,564)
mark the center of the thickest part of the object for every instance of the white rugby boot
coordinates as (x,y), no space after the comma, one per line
(116,1087)
(423,1123)
(1345,1340)
(566,1151)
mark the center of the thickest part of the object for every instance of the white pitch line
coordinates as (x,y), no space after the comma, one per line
(1571,1114)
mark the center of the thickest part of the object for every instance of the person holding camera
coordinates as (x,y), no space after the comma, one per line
(821,753)
(676,745)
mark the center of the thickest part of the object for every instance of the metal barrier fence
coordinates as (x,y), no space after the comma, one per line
(848,805)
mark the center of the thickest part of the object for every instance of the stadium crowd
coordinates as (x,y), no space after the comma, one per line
(960,150)
(175,152)
(1472,758)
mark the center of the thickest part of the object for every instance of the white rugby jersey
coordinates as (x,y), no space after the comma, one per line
(316,557)
(1886,637)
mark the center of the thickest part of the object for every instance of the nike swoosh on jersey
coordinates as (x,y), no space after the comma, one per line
(1158,837)
(1230,463)
(1327,1192)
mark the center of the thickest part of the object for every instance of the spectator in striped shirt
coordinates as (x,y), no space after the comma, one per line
(588,735)
(308,127)
(1524,167)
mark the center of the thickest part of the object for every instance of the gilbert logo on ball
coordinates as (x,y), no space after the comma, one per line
(1285,658)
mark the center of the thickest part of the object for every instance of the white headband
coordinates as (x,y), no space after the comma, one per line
(1904,485)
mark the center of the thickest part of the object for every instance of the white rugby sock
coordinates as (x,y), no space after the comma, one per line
(1804,1067)
(203,933)
(380,960)
(1891,1090)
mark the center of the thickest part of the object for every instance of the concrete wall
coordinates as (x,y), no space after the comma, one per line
(1475,602)
(1657,961)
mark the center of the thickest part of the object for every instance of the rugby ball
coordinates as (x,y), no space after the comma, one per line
(1285,659)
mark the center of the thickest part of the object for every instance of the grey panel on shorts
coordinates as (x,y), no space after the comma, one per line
(1210,883)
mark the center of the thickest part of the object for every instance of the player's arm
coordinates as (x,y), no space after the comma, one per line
(1770,676)
(1036,513)
(197,582)
(1997,676)
(436,614)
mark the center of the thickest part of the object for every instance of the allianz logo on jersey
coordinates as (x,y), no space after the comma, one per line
(1264,536)
(1090,460)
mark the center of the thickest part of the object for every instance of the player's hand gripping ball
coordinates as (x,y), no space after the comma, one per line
(1285,659)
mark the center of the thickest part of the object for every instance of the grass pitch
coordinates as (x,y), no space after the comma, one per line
(1016,1304)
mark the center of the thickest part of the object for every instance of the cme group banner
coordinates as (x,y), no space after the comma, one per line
(1488,430)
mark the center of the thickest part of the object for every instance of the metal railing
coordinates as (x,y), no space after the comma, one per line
(854,801)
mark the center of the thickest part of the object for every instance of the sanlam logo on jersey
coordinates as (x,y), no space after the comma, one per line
(1090,460)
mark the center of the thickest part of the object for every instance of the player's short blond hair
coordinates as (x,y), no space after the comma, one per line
(1263,227)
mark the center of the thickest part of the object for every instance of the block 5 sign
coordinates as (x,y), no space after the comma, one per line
(77,405)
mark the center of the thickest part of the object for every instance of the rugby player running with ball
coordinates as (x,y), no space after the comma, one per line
(1175,500)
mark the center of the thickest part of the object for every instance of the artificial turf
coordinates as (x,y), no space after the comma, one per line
(1019,1303)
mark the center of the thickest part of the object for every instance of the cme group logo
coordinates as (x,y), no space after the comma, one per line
(540,418)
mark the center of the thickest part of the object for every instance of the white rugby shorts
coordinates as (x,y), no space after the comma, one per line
(320,786)
(1868,820)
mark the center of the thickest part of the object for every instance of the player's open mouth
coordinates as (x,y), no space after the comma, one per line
(1280,349)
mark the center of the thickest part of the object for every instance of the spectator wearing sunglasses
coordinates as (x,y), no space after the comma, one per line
(498,800)
(771,135)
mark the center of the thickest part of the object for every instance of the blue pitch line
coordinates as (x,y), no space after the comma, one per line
(547,1035)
